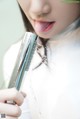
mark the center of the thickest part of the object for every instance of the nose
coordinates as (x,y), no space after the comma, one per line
(39,8)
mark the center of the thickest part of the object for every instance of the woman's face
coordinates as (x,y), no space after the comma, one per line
(49,17)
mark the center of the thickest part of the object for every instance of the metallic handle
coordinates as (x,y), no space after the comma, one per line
(23,62)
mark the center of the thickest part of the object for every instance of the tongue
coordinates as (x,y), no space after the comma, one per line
(41,26)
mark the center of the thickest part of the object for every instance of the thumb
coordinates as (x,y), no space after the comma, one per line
(9,117)
(24,94)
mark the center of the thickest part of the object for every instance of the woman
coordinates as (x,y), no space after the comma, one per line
(52,84)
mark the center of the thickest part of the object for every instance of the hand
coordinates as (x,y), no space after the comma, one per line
(12,111)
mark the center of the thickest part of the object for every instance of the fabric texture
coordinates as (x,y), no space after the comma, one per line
(53,88)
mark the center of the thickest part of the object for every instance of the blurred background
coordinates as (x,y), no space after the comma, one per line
(11,28)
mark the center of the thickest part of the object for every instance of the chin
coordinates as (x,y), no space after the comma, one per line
(44,36)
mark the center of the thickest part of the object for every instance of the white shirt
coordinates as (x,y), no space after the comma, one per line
(53,91)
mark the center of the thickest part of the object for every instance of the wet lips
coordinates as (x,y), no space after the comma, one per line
(43,26)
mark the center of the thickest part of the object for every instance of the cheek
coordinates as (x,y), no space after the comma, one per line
(67,12)
(66,8)
(24,4)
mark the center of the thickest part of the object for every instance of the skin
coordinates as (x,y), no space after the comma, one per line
(61,12)
(12,111)
(42,10)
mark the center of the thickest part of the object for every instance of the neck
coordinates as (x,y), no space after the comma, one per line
(68,30)
(68,35)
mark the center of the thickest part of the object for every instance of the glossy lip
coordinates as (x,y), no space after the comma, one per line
(49,27)
(46,25)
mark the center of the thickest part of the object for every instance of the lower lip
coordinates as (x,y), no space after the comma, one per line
(43,26)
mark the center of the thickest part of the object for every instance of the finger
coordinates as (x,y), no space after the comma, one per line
(10,110)
(24,94)
(11,94)
(9,117)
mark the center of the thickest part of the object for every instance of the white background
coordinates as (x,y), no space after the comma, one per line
(11,28)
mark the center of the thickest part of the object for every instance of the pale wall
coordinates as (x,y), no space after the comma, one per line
(11,27)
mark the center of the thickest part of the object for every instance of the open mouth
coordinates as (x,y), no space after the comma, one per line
(43,26)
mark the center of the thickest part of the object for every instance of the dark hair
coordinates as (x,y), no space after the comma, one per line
(27,24)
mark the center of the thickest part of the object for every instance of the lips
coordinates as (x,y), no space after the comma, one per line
(43,26)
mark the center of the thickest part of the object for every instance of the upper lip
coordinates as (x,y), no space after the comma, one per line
(41,20)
